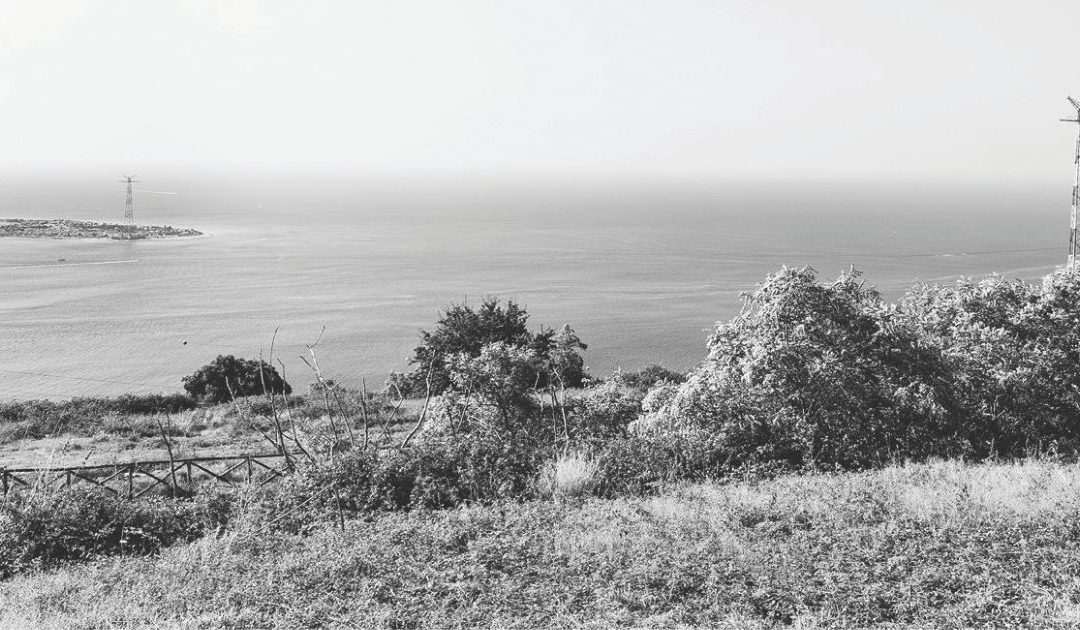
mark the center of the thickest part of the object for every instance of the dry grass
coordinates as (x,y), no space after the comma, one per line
(944,545)
(571,475)
(203,432)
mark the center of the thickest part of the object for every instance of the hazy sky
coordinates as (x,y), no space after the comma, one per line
(725,88)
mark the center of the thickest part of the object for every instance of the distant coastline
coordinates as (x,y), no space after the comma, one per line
(68,228)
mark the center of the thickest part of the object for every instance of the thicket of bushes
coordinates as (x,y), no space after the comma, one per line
(830,374)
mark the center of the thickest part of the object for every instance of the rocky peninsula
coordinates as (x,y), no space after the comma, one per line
(68,228)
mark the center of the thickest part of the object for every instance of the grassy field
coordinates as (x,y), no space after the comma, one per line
(107,438)
(943,545)
(124,438)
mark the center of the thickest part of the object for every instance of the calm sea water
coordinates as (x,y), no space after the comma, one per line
(641,271)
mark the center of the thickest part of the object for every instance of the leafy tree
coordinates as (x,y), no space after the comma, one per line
(245,377)
(464,331)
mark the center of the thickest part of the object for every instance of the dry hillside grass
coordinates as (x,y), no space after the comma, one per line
(944,545)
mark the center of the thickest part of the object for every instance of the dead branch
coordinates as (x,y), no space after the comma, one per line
(423,412)
(364,409)
(393,414)
(295,437)
(313,365)
(273,407)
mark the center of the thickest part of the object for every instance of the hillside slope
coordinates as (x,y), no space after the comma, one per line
(944,545)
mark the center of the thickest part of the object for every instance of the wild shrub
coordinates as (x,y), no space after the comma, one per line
(41,529)
(819,373)
(481,467)
(149,403)
(652,375)
(601,412)
(464,331)
(641,462)
(438,472)
(501,379)
(228,376)
(450,470)
(1013,353)
(828,374)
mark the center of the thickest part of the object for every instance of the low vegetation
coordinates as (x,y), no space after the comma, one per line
(943,545)
(37,419)
(790,435)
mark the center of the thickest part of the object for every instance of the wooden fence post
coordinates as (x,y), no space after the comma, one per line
(131,480)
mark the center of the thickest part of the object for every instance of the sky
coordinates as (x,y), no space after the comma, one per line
(961,90)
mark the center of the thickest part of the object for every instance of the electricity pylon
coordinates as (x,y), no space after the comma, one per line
(1074,242)
(129,207)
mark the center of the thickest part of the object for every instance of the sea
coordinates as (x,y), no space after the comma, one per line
(357,265)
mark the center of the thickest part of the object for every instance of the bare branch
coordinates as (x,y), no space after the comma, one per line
(292,420)
(364,409)
(393,414)
(423,413)
(270,397)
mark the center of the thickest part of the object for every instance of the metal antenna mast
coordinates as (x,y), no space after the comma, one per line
(1074,237)
(129,208)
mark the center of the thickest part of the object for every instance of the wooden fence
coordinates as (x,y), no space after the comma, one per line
(134,479)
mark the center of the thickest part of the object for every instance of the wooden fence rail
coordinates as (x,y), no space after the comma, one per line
(130,478)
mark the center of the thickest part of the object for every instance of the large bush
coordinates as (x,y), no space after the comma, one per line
(819,373)
(1014,355)
(228,376)
(464,331)
(815,373)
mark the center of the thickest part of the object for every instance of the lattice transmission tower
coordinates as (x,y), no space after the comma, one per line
(1074,238)
(129,207)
